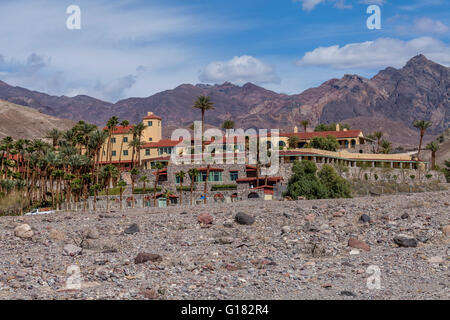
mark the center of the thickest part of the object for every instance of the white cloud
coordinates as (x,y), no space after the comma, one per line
(239,70)
(427,25)
(380,53)
(308,5)
(116,37)
(369,2)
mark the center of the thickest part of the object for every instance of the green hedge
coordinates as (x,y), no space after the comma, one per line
(216,187)
(186,188)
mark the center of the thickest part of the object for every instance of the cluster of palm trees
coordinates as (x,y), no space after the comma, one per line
(65,169)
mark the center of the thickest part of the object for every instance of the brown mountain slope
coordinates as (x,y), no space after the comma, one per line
(21,122)
(420,90)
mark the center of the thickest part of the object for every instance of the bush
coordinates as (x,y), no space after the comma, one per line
(186,188)
(337,187)
(13,204)
(304,182)
(216,187)
(329,143)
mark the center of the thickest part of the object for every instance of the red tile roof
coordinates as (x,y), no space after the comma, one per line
(120,129)
(152,116)
(337,134)
(162,143)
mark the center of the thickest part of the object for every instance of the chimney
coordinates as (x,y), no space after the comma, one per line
(338,127)
(295,129)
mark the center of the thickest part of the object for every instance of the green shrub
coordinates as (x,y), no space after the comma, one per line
(337,187)
(186,188)
(306,183)
(216,187)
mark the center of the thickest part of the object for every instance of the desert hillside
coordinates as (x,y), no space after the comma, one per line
(21,122)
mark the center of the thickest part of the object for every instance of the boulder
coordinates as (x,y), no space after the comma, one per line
(205,219)
(405,242)
(132,229)
(23,231)
(244,219)
(358,244)
(145,257)
(72,250)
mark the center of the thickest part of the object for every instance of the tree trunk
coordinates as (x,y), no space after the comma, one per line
(422,133)
(206,181)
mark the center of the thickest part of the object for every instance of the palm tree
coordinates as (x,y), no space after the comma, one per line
(193,173)
(124,124)
(111,126)
(378,135)
(134,173)
(228,124)
(293,142)
(158,167)
(144,180)
(433,147)
(95,188)
(54,135)
(135,144)
(180,175)
(305,124)
(206,182)
(108,173)
(386,147)
(121,184)
(204,104)
(96,141)
(138,129)
(422,125)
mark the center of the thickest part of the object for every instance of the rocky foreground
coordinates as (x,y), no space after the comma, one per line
(281,250)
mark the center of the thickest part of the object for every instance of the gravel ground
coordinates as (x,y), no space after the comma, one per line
(293,250)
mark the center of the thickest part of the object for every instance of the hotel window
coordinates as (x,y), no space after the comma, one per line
(215,176)
(201,177)
(125,139)
(125,152)
(234,175)
(147,152)
(113,140)
(150,123)
(178,180)
(163,150)
(113,153)
(150,139)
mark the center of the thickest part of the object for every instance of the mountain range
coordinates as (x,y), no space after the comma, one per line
(390,101)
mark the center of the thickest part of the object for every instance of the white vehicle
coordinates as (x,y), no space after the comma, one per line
(40,211)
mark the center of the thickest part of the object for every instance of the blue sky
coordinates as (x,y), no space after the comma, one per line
(137,48)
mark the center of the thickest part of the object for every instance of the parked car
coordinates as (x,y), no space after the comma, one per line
(40,211)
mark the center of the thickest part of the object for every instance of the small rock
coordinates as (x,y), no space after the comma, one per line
(285,229)
(354,252)
(57,235)
(364,218)
(92,233)
(310,217)
(23,231)
(205,219)
(228,224)
(287,215)
(405,216)
(151,294)
(436,259)
(405,242)
(446,230)
(358,244)
(245,219)
(225,240)
(132,229)
(183,213)
(347,293)
(72,250)
(144,257)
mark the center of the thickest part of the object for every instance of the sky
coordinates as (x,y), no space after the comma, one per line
(136,48)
